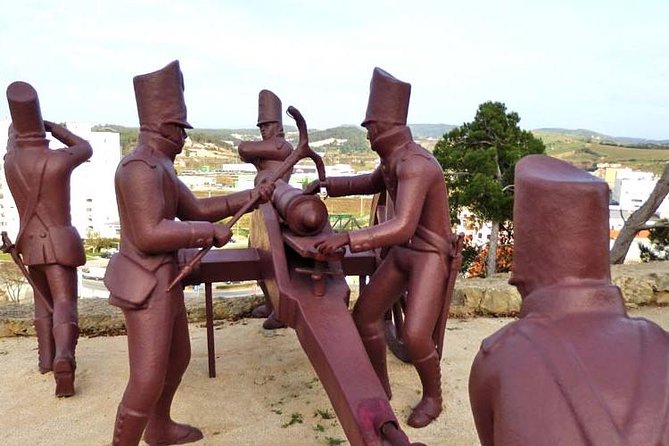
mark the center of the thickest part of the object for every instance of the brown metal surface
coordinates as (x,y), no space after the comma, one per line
(324,328)
(48,248)
(574,369)
(304,214)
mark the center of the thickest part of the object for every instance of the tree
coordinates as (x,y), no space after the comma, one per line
(478,159)
(659,239)
(637,221)
(12,280)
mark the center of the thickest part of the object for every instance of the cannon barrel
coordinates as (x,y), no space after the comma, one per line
(304,214)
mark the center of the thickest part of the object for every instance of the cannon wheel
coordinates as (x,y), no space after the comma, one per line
(382,210)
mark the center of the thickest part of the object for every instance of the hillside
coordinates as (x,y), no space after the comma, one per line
(585,149)
(348,144)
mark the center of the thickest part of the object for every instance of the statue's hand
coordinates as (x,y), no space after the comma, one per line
(332,243)
(264,190)
(314,187)
(222,235)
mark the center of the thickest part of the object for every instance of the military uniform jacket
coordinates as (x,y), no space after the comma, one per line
(267,156)
(150,198)
(39,180)
(574,370)
(415,182)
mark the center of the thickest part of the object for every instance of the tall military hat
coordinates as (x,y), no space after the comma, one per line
(561,224)
(160,97)
(269,108)
(25,110)
(388,99)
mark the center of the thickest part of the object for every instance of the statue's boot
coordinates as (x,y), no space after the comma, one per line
(161,429)
(46,348)
(272,323)
(65,336)
(429,406)
(376,350)
(261,311)
(128,427)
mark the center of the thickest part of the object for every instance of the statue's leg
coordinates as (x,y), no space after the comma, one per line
(43,322)
(377,297)
(63,287)
(161,429)
(424,304)
(150,333)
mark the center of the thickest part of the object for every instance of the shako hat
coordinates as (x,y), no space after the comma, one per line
(388,99)
(269,108)
(560,223)
(25,110)
(160,97)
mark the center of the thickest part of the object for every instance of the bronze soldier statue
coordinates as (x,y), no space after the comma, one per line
(48,244)
(150,197)
(418,237)
(267,156)
(575,369)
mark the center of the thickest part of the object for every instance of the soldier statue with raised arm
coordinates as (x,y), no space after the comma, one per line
(48,248)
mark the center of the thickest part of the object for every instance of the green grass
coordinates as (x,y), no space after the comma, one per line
(586,153)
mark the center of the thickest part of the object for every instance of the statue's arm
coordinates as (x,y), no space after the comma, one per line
(370,183)
(272,149)
(209,209)
(412,187)
(480,398)
(77,147)
(140,189)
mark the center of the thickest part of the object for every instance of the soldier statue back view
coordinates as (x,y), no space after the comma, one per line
(575,369)
(51,248)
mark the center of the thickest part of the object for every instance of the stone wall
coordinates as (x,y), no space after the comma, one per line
(641,284)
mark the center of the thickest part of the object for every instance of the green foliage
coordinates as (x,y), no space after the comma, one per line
(478,159)
(295,418)
(659,239)
(95,244)
(128,135)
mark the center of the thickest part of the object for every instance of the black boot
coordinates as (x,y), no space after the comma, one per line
(46,348)
(65,336)
(128,427)
(429,407)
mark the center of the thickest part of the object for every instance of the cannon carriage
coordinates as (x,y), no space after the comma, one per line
(309,293)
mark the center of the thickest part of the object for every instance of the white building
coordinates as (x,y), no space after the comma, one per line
(631,188)
(93,200)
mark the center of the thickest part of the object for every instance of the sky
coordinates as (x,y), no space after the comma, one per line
(601,65)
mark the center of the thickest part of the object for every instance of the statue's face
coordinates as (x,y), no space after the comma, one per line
(269,129)
(176,133)
(376,128)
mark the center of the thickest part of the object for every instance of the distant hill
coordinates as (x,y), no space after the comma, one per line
(586,149)
(582,147)
(607,139)
(425,131)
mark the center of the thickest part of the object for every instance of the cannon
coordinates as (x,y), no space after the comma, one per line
(310,295)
